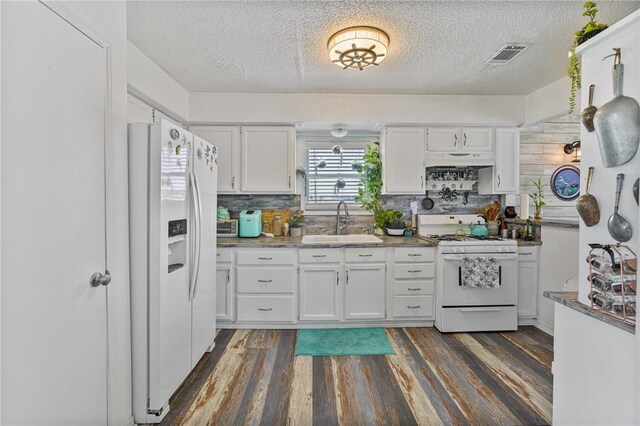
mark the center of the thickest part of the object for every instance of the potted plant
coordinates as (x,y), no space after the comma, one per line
(295,223)
(591,29)
(391,220)
(370,189)
(538,198)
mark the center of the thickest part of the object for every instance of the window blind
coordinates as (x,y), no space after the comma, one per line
(322,182)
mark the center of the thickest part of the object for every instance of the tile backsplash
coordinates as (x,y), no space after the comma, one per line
(322,224)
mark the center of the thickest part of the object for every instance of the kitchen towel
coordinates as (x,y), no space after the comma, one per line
(480,272)
(343,341)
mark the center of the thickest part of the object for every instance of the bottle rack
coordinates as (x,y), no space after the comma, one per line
(612,278)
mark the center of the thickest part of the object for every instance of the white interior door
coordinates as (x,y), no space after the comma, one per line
(54,323)
(204,294)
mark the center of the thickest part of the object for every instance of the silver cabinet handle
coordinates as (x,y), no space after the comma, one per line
(415,255)
(499,181)
(228,276)
(265,309)
(525,254)
(481,310)
(414,289)
(365,255)
(415,271)
(455,140)
(319,255)
(414,307)
(337,278)
(421,181)
(97,279)
(265,258)
(289,181)
(218,254)
(233,182)
(465,140)
(347,272)
(265,281)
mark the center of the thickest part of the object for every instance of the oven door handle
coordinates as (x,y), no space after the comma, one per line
(499,276)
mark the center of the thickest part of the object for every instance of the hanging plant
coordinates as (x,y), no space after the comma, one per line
(370,189)
(591,29)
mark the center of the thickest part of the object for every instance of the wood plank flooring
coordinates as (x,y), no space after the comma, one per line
(253,377)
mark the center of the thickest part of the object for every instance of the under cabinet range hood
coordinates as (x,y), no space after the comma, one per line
(459,159)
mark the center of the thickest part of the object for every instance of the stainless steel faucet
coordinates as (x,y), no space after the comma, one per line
(341,225)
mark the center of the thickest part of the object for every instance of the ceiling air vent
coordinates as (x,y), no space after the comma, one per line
(506,54)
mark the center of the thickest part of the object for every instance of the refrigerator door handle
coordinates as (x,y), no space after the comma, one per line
(198,235)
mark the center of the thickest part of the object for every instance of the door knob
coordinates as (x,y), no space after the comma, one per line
(98,279)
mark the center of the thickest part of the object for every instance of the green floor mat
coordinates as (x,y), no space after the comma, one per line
(343,341)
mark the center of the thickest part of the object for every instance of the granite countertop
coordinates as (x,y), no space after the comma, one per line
(560,223)
(387,241)
(570,300)
(297,242)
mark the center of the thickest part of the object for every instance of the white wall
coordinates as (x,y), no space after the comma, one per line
(109,19)
(391,109)
(152,84)
(549,102)
(558,263)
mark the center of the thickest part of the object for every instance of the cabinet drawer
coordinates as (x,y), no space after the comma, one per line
(320,256)
(412,306)
(265,280)
(479,319)
(265,308)
(352,255)
(412,288)
(527,254)
(224,255)
(414,254)
(274,257)
(414,270)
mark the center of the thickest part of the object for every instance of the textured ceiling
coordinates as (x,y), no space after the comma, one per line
(437,47)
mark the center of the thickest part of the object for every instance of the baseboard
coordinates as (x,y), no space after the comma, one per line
(285,326)
(543,327)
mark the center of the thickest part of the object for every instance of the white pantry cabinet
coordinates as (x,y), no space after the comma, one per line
(226,139)
(403,160)
(454,139)
(527,282)
(267,159)
(504,177)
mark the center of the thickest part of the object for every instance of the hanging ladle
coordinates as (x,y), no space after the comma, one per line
(619,227)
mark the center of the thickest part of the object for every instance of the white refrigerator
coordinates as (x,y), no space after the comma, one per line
(172,230)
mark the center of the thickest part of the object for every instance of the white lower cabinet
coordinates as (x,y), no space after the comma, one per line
(225,297)
(527,282)
(319,292)
(364,294)
(413,286)
(265,285)
(324,285)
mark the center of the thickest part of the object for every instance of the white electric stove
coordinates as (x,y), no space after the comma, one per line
(460,308)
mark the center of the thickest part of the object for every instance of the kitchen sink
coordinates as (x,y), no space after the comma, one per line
(341,239)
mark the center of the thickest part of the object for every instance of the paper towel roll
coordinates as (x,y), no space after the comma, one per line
(524,205)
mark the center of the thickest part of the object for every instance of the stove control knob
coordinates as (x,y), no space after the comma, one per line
(460,249)
(499,249)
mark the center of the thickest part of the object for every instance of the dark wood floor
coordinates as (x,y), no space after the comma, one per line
(254,377)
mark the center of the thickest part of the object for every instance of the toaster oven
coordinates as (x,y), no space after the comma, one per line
(227,228)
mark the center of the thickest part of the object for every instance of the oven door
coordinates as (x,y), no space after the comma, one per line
(455,294)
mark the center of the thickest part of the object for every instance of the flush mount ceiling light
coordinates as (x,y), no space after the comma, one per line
(358,47)
(339,131)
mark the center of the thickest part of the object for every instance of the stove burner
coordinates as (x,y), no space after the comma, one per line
(486,238)
(444,237)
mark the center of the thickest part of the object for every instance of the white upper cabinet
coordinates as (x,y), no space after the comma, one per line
(475,139)
(443,139)
(403,156)
(504,177)
(226,139)
(267,159)
(454,139)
